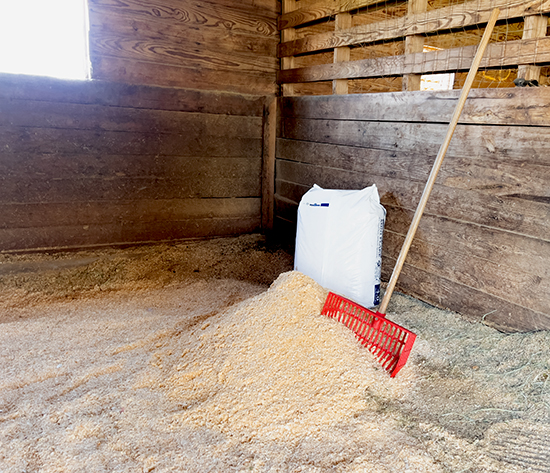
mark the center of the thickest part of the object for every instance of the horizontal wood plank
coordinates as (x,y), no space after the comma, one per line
(124,212)
(16,87)
(218,15)
(477,241)
(291,192)
(446,18)
(248,45)
(47,167)
(34,114)
(320,10)
(71,189)
(266,7)
(497,55)
(425,138)
(67,237)
(285,207)
(141,72)
(497,176)
(513,285)
(194,142)
(193,228)
(519,106)
(167,51)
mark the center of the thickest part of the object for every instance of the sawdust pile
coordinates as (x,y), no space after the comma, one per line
(209,371)
(273,368)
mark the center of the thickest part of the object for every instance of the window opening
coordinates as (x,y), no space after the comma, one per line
(436,81)
(45,37)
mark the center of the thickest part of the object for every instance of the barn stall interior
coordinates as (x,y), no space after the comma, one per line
(146,212)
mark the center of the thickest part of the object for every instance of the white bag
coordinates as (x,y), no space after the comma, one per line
(339,241)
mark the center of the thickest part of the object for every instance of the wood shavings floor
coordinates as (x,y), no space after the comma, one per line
(178,358)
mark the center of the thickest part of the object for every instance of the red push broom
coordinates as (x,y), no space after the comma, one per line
(390,343)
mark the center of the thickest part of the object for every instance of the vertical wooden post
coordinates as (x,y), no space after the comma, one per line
(343,21)
(534,27)
(288,34)
(414,44)
(268,162)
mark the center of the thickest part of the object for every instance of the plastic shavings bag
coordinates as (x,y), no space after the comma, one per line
(339,241)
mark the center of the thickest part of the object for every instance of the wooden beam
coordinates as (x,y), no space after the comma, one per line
(510,53)
(414,44)
(343,21)
(268,162)
(319,10)
(534,27)
(456,16)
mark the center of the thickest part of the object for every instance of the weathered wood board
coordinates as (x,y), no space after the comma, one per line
(483,245)
(45,89)
(517,106)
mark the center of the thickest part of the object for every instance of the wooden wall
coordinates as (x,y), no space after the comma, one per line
(88,163)
(166,142)
(483,245)
(217,44)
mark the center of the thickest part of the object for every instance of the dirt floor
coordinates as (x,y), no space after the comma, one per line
(183,358)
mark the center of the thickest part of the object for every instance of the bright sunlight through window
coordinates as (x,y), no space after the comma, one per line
(436,81)
(44,37)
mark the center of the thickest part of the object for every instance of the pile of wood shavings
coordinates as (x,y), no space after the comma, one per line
(273,368)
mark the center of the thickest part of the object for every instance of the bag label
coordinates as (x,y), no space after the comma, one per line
(376,294)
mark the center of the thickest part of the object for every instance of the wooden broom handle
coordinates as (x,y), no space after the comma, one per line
(438,161)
